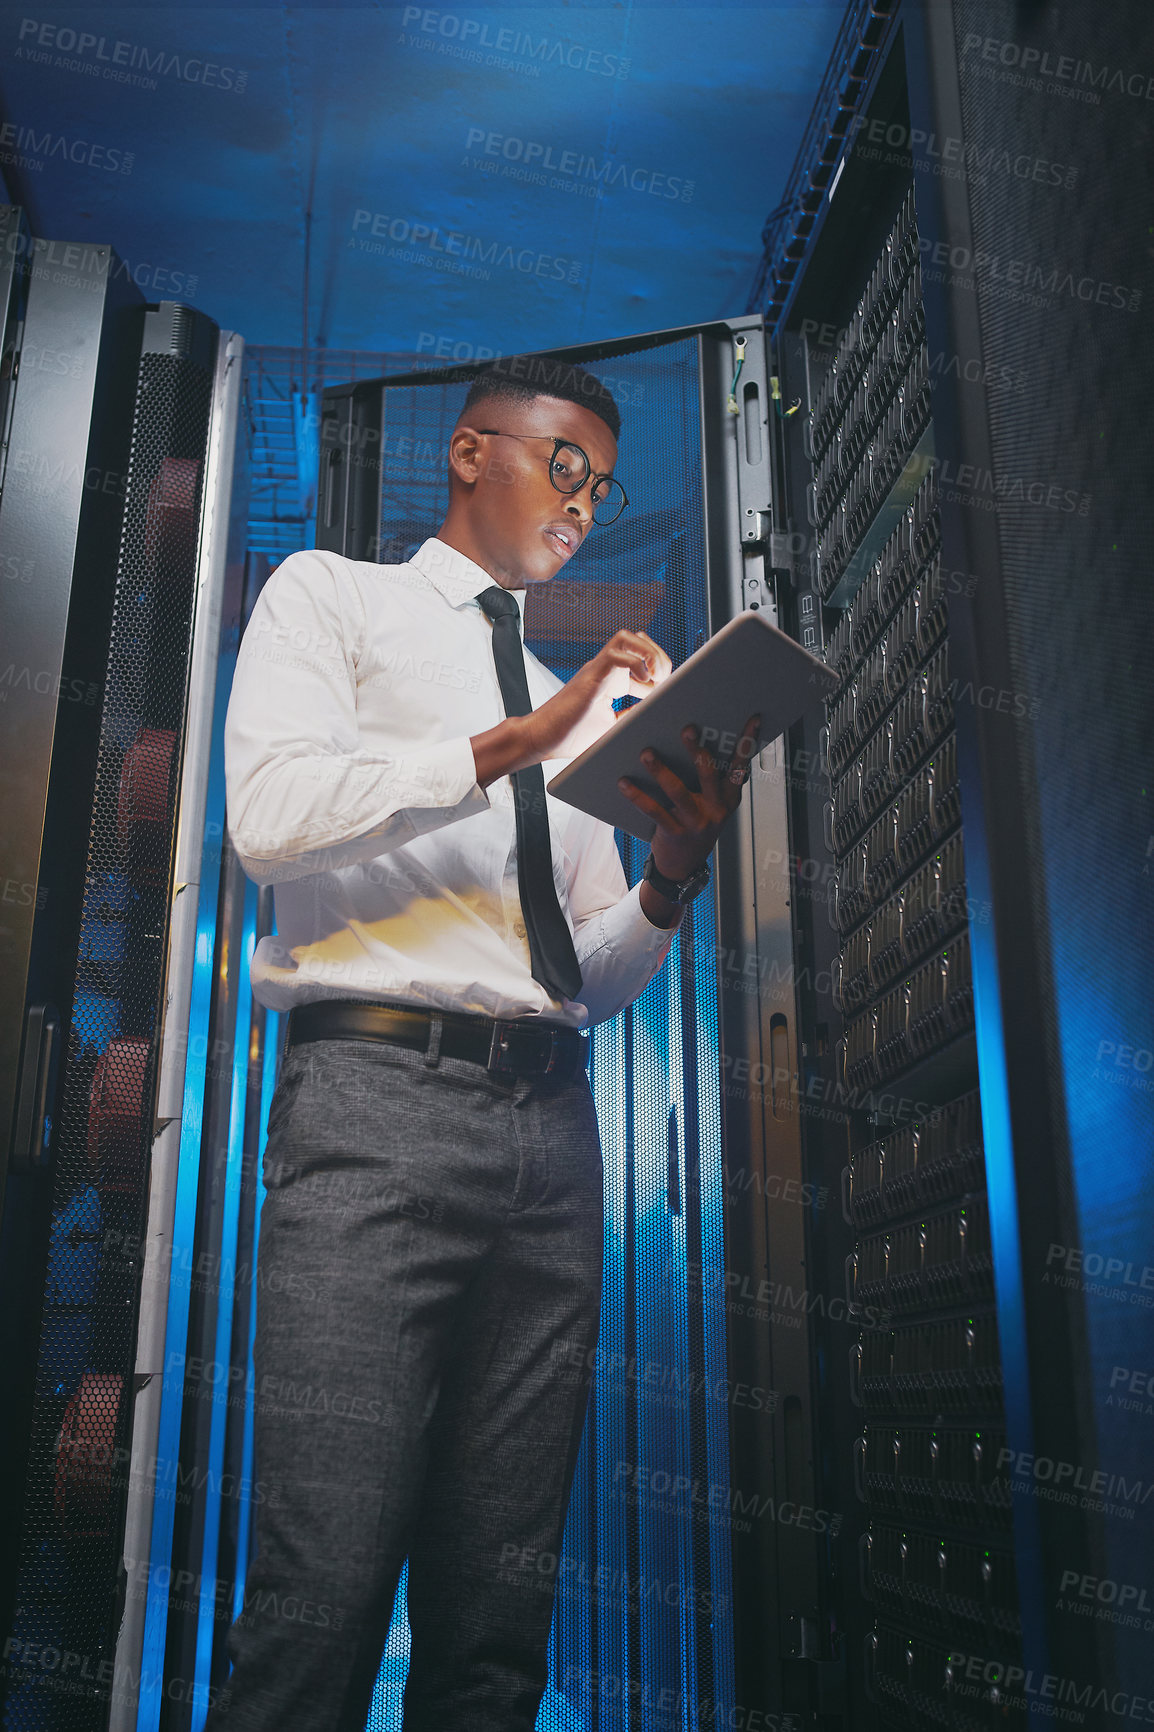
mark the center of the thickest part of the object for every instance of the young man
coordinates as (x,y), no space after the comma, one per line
(431,1240)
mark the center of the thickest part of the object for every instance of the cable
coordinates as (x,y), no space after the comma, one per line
(775,393)
(731,400)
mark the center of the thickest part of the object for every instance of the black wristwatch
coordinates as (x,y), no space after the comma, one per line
(669,888)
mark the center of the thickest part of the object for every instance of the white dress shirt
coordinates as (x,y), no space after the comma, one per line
(352,788)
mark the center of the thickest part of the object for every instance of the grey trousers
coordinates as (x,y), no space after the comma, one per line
(429,1285)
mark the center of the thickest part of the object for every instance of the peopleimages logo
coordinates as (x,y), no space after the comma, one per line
(467,38)
(91,267)
(954,157)
(625,391)
(529,161)
(24,147)
(1038,63)
(122,62)
(371,230)
(1020,279)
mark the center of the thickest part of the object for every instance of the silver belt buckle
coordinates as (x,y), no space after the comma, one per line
(499,1043)
(500,1058)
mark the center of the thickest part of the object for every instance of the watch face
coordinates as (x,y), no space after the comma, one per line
(698,882)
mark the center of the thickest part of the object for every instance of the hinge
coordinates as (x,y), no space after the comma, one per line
(757,527)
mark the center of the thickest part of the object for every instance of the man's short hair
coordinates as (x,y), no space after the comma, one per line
(523,378)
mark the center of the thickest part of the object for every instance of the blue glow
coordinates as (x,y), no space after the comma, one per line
(607,1071)
(184,1226)
(244,1515)
(711,1177)
(388,1691)
(1001,1189)
(1101,950)
(661,1332)
(176,1331)
(230,1256)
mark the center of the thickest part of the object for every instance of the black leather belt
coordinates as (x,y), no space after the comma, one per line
(522,1047)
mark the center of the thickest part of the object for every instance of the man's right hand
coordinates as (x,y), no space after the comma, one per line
(630,665)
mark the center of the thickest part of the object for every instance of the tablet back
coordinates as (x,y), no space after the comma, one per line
(748,666)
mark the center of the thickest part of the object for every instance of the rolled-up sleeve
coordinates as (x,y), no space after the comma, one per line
(618,947)
(304,793)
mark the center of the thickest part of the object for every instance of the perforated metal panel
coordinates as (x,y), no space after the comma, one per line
(68,1586)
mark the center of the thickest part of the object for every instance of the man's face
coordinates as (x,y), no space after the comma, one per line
(528,526)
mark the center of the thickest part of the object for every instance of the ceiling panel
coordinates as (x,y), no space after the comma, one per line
(416,179)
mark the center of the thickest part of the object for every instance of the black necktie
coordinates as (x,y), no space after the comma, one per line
(553,959)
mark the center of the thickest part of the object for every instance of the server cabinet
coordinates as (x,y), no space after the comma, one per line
(71,338)
(71,348)
(90,1169)
(959,495)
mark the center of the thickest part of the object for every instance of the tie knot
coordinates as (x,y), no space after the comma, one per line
(498,603)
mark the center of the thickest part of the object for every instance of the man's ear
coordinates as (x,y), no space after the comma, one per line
(465,457)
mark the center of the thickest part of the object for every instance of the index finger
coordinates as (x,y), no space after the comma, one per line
(662,666)
(656,665)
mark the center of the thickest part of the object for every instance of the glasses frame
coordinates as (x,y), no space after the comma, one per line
(588,478)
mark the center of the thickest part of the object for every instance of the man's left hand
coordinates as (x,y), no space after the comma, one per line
(687,831)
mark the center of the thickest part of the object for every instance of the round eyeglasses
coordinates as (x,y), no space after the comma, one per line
(569,470)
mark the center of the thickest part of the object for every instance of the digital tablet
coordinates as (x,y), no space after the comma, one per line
(748,666)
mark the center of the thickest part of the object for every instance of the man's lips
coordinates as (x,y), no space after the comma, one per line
(563,538)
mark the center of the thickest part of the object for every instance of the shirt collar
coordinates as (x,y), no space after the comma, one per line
(458,578)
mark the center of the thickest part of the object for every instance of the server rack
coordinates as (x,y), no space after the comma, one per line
(925,1373)
(931,1533)
(127,408)
(71,347)
(939,473)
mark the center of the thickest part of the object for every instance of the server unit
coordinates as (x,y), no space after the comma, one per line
(115,502)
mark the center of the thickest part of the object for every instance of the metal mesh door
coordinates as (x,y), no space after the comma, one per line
(78,1478)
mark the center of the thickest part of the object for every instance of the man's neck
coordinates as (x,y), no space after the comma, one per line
(457,536)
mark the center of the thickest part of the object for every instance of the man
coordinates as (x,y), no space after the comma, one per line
(431,1238)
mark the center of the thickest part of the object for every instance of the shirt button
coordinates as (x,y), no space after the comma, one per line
(519,928)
